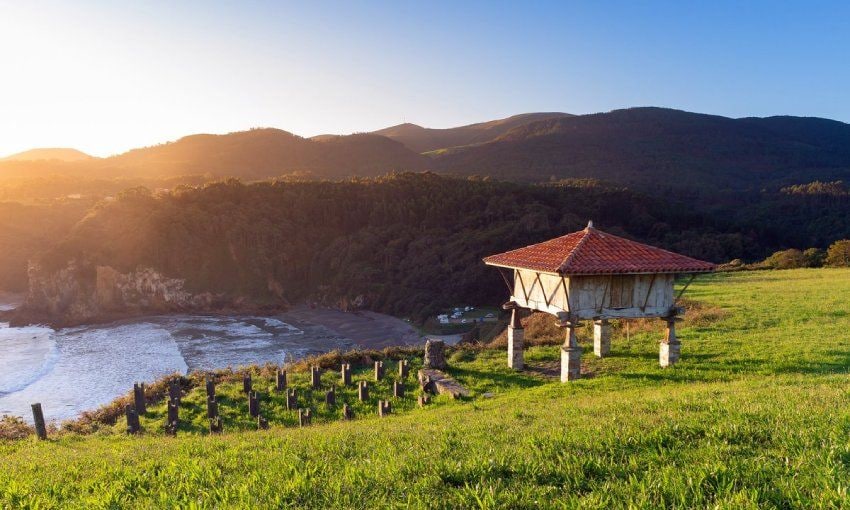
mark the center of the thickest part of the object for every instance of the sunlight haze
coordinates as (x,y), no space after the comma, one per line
(104,78)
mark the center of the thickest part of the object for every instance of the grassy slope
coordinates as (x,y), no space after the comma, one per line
(755,415)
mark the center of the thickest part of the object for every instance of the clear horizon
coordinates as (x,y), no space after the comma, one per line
(103,78)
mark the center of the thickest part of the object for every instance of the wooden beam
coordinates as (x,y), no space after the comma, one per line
(649,292)
(507,283)
(684,289)
(542,290)
(522,284)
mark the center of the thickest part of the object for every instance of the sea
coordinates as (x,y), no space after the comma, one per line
(82,368)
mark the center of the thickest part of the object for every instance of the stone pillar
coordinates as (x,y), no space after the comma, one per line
(601,338)
(516,336)
(570,354)
(670,349)
(435,355)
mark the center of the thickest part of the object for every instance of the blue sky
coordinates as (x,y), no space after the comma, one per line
(105,77)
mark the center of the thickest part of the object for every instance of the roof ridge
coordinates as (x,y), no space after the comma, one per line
(575,249)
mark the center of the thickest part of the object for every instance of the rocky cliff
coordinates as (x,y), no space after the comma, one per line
(79,294)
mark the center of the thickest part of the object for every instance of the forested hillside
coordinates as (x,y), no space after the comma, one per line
(254,154)
(407,243)
(423,139)
(656,148)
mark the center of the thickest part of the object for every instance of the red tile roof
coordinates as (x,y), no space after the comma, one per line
(592,251)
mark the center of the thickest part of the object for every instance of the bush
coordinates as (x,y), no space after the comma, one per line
(838,254)
(786,259)
(814,257)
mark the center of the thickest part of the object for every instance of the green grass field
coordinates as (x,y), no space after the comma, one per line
(756,415)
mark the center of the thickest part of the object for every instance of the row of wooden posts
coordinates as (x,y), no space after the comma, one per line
(139,406)
(304,414)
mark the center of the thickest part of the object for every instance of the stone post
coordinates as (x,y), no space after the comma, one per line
(363,391)
(347,413)
(384,408)
(246,383)
(262,423)
(215,425)
(346,374)
(330,397)
(601,338)
(670,346)
(570,353)
(398,389)
(379,370)
(516,338)
(253,404)
(280,380)
(139,398)
(435,355)
(403,369)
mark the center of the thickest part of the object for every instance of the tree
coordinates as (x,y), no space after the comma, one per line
(838,254)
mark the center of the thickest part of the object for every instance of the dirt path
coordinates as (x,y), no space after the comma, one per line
(369,330)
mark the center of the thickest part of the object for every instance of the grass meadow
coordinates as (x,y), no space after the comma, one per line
(756,415)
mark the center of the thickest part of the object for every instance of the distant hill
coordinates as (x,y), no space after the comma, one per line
(421,139)
(57,154)
(254,154)
(659,148)
(651,149)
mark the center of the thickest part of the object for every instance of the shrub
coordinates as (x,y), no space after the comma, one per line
(814,257)
(786,259)
(838,254)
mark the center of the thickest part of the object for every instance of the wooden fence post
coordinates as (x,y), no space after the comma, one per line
(262,423)
(330,397)
(247,386)
(403,369)
(253,404)
(346,374)
(384,408)
(363,391)
(291,399)
(212,407)
(379,370)
(174,390)
(173,417)
(216,425)
(315,377)
(304,416)
(280,380)
(139,398)
(133,425)
(347,413)
(398,389)
(38,420)
(210,388)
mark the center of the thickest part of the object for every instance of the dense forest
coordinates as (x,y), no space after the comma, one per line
(406,243)
(409,243)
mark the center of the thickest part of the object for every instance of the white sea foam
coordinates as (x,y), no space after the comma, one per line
(96,365)
(82,368)
(26,354)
